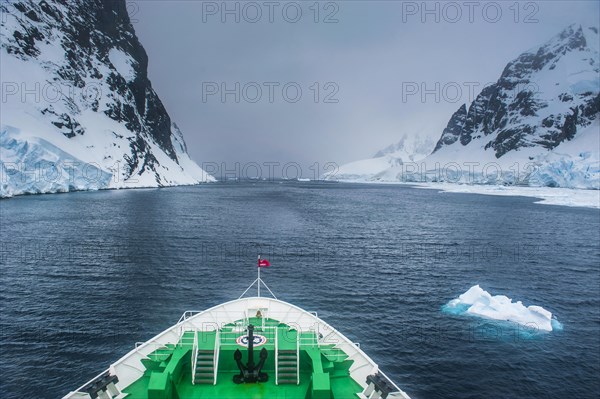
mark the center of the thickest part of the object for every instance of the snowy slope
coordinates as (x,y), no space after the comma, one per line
(408,150)
(538,125)
(78,111)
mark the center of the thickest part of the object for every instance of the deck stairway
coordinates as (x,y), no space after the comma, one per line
(299,366)
(287,349)
(287,366)
(205,367)
(205,355)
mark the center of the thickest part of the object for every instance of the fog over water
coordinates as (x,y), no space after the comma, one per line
(325,82)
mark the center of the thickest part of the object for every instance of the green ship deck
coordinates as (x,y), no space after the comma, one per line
(202,366)
(296,355)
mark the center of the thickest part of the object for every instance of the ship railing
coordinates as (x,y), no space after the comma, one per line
(223,318)
(276,359)
(310,341)
(139,344)
(187,314)
(298,358)
(228,338)
(269,330)
(183,340)
(264,317)
(239,325)
(216,356)
(157,347)
(194,357)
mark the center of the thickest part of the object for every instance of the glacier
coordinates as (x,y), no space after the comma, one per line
(31,164)
(78,109)
(478,302)
(537,126)
(410,149)
(34,166)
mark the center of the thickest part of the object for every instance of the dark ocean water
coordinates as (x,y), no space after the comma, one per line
(84,276)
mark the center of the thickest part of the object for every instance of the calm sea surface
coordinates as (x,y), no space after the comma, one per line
(83,276)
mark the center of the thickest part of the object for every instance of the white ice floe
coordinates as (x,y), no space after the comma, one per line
(546,195)
(478,302)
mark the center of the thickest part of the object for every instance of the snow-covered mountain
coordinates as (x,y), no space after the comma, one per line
(538,122)
(78,110)
(382,166)
(537,125)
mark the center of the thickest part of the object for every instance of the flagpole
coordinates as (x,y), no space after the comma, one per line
(258,267)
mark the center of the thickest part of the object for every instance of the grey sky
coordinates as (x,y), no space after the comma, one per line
(374,54)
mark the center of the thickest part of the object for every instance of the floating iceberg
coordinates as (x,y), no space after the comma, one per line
(478,302)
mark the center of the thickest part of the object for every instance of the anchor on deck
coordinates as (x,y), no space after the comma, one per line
(250,373)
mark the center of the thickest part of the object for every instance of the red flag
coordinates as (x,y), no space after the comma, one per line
(263,263)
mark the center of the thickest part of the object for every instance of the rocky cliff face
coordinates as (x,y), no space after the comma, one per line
(75,79)
(542,99)
(452,132)
(538,125)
